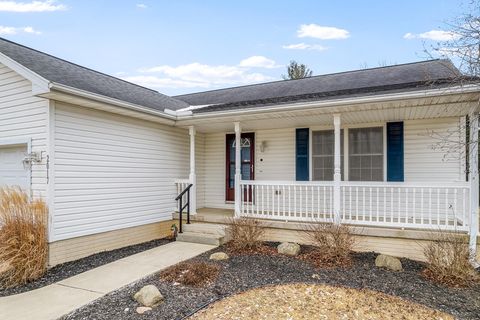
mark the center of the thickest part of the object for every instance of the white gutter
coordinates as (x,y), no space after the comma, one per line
(104,99)
(337,102)
(186,114)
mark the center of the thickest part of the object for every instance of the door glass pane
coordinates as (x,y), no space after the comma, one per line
(245,154)
(245,171)
(231,180)
(232,151)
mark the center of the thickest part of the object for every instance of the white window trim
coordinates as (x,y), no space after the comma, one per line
(345,129)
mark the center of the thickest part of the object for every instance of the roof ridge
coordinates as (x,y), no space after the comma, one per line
(80,66)
(317,76)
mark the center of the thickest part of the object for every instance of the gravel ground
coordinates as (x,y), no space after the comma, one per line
(69,269)
(244,272)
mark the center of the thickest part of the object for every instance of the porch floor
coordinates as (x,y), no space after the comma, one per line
(211,215)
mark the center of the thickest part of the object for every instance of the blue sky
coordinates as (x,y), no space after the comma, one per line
(187,46)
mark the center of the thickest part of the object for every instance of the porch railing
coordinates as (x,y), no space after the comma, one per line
(182,184)
(386,204)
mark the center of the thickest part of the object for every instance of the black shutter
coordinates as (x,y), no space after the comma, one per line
(301,155)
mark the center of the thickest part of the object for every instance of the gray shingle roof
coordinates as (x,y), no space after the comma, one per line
(66,73)
(404,77)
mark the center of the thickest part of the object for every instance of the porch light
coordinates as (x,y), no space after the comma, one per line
(30,158)
(263,145)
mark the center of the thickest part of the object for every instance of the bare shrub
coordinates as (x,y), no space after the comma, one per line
(334,244)
(447,256)
(196,274)
(23,238)
(246,234)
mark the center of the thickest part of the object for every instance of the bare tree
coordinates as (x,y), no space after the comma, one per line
(461,45)
(297,70)
(461,42)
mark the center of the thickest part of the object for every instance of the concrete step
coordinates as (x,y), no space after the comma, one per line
(203,238)
(205,228)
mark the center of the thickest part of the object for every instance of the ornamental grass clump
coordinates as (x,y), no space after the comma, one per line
(23,238)
(246,235)
(333,243)
(447,256)
(195,274)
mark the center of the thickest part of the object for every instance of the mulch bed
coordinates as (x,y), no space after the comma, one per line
(72,268)
(244,272)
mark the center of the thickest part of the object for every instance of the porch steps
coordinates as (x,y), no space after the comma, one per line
(204,233)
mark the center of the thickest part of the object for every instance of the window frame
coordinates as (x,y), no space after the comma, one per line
(342,135)
(345,142)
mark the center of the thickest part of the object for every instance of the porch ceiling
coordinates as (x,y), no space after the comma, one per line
(315,115)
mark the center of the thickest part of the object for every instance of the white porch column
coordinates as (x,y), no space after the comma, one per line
(192,177)
(337,173)
(473,179)
(238,174)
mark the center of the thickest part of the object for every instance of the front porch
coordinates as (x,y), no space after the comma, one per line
(403,185)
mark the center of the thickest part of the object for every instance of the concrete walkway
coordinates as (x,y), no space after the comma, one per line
(56,300)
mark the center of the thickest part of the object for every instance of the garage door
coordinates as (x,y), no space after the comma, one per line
(12,172)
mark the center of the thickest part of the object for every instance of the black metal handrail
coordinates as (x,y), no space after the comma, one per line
(181,207)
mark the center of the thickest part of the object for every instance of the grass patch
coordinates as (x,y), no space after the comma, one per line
(195,274)
(23,238)
(307,301)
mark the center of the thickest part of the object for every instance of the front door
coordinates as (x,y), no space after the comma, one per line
(247,153)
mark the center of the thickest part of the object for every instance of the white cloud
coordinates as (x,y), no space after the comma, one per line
(30,30)
(436,35)
(321,32)
(12,30)
(33,6)
(258,62)
(304,46)
(196,75)
(141,6)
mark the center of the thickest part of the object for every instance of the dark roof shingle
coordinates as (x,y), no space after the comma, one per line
(66,73)
(406,77)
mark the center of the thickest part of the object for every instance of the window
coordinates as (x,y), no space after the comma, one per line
(323,155)
(365,154)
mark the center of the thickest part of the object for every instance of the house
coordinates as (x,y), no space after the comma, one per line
(110,157)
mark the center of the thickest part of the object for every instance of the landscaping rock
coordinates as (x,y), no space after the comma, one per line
(142,310)
(148,296)
(219,256)
(288,248)
(388,262)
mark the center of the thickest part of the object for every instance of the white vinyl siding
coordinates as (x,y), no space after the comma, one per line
(214,179)
(23,117)
(422,162)
(278,156)
(277,161)
(113,172)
